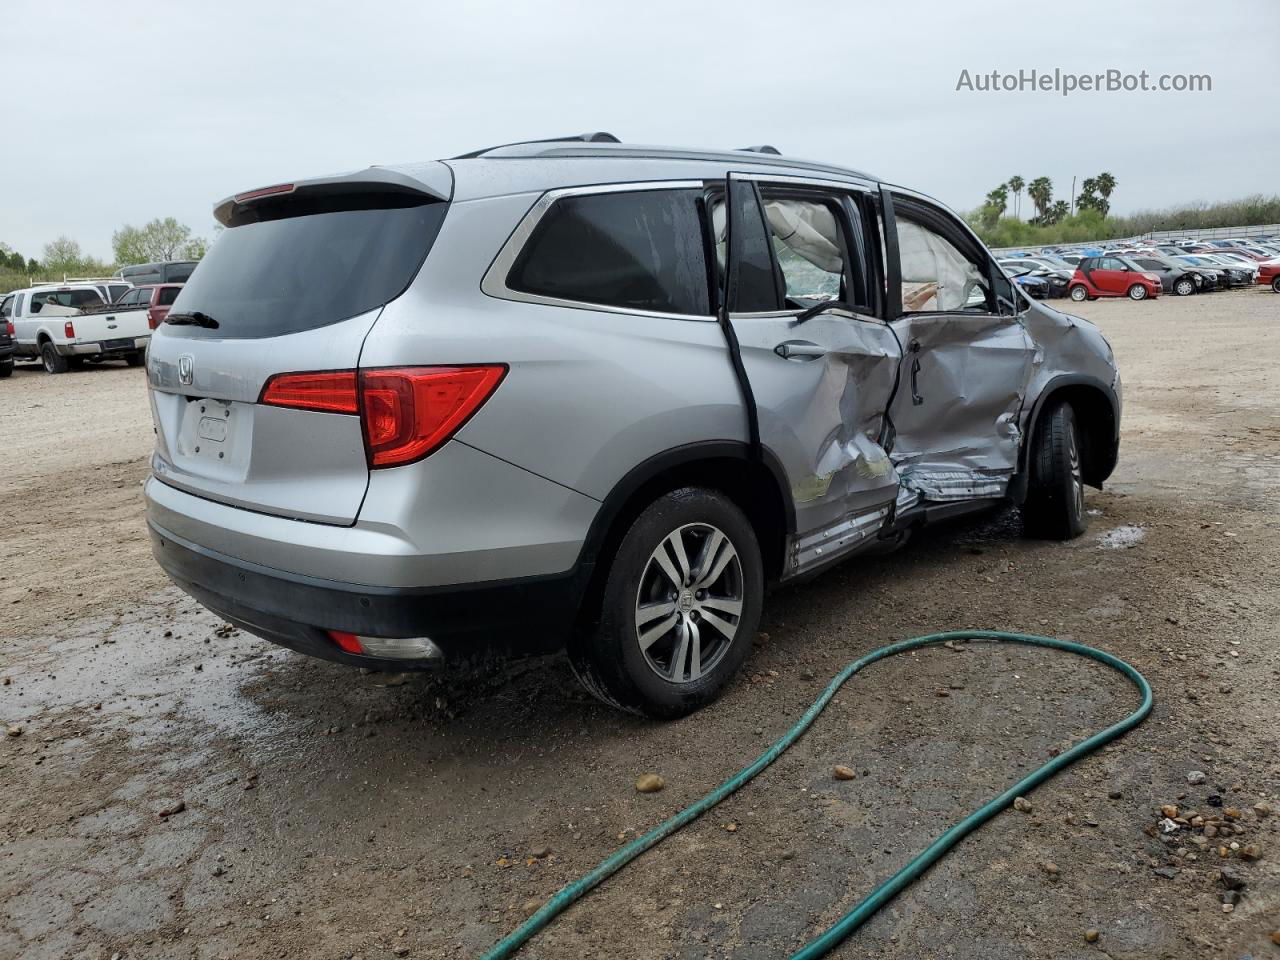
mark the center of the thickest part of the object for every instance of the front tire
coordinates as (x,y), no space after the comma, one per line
(1275,283)
(53,361)
(1054,509)
(1078,293)
(1184,287)
(1137,292)
(680,608)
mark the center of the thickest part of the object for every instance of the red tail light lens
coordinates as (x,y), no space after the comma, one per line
(10,329)
(410,412)
(69,329)
(407,412)
(152,322)
(332,392)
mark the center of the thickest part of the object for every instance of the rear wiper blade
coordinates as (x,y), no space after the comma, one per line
(194,318)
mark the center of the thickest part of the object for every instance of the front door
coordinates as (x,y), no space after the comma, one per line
(820,384)
(967,360)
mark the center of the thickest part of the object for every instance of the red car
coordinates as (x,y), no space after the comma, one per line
(1112,277)
(1269,273)
(158,298)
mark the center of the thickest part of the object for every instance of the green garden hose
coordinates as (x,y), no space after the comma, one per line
(837,932)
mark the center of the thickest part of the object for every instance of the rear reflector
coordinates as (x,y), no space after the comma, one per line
(392,648)
(347,642)
(407,412)
(411,412)
(332,392)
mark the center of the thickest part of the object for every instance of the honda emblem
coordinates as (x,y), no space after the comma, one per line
(186,369)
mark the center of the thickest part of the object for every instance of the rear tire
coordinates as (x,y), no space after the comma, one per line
(136,359)
(6,368)
(1078,293)
(1054,508)
(664,649)
(1275,283)
(53,361)
(1185,287)
(1137,292)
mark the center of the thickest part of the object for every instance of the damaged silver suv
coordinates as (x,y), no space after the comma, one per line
(582,393)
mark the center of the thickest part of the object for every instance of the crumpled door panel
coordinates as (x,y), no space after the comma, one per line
(963,383)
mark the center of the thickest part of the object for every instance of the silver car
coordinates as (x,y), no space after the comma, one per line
(586,394)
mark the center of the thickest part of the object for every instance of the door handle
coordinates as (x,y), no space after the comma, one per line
(916,399)
(802,350)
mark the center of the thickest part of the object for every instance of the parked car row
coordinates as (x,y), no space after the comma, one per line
(1141,271)
(64,325)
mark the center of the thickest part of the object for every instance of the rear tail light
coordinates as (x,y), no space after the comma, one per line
(69,329)
(10,329)
(152,322)
(410,412)
(333,392)
(407,412)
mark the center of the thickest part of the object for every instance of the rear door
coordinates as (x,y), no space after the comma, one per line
(819,385)
(967,363)
(293,285)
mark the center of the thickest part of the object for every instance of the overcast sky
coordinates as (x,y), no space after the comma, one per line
(125,111)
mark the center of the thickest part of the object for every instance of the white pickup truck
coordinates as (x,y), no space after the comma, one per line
(63,325)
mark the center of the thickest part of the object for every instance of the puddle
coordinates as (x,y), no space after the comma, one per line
(1121,538)
(139,669)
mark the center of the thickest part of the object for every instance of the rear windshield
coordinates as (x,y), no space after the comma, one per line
(287,275)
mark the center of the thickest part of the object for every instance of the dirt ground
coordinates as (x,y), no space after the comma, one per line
(328,813)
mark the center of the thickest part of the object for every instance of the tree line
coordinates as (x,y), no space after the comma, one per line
(161,239)
(1095,194)
(1054,221)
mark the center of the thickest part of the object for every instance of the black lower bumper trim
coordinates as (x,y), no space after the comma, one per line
(512,617)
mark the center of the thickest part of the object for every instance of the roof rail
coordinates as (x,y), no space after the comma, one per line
(598,136)
(762,148)
(66,280)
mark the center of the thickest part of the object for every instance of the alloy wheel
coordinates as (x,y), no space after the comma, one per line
(689,603)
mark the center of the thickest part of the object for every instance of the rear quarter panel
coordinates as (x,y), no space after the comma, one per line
(589,394)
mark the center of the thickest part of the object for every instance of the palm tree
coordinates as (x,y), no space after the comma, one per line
(1106,183)
(1040,190)
(1016,183)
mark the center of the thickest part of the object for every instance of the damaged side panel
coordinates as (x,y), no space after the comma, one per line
(956,413)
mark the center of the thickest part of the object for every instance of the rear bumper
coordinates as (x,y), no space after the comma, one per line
(109,348)
(515,617)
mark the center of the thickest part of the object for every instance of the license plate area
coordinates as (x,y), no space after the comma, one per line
(209,433)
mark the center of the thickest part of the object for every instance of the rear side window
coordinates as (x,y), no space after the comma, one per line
(178,272)
(6,308)
(290,274)
(62,301)
(167,296)
(639,250)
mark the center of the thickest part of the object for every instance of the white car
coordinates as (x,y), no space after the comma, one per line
(64,325)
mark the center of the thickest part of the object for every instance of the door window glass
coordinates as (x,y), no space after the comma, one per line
(936,275)
(809,247)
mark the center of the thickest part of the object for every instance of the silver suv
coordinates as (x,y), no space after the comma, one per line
(582,393)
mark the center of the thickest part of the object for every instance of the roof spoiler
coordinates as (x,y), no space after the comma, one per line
(375,182)
(598,136)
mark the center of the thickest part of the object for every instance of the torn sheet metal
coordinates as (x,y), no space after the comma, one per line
(963,384)
(821,546)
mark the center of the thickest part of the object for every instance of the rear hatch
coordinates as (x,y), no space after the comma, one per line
(294,283)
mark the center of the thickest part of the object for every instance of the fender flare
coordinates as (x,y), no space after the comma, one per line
(647,470)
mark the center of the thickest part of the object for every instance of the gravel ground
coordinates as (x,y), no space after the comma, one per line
(178,789)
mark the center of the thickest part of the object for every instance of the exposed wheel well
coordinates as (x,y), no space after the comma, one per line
(751,485)
(1096,420)
(42,338)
